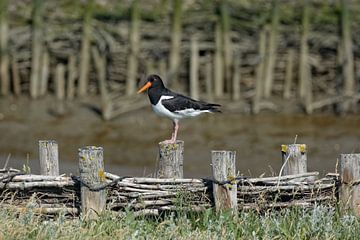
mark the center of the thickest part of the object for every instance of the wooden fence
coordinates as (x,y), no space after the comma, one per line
(95,190)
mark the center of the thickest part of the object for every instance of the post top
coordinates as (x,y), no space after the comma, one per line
(90,148)
(47,141)
(178,142)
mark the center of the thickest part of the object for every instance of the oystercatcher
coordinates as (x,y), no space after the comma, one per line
(172,105)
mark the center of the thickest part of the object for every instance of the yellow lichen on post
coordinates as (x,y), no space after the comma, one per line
(92,174)
(224,170)
(171,160)
(294,159)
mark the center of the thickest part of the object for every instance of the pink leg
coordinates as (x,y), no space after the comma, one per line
(174,133)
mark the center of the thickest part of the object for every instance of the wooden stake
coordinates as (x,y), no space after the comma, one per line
(71,77)
(171,160)
(260,71)
(15,76)
(85,50)
(194,69)
(350,174)
(209,78)
(218,63)
(289,74)
(60,81)
(176,24)
(162,68)
(92,173)
(271,53)
(49,158)
(236,77)
(227,45)
(304,52)
(134,49)
(348,61)
(4,55)
(37,45)
(295,157)
(223,167)
(45,62)
(100,65)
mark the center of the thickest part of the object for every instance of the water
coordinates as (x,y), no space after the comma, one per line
(130,141)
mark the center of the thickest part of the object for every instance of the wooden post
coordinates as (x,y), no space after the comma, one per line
(295,155)
(91,166)
(223,167)
(84,65)
(37,45)
(132,66)
(171,160)
(350,173)
(49,157)
(194,69)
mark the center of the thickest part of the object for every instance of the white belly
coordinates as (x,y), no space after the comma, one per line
(160,110)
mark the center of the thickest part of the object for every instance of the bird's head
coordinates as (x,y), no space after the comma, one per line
(153,81)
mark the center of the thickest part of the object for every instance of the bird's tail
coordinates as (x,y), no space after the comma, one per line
(214,108)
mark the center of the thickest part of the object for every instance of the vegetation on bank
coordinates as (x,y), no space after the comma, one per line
(294,223)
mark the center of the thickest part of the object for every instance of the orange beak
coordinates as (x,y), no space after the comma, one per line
(146,86)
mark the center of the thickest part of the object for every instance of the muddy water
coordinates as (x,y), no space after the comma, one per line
(130,142)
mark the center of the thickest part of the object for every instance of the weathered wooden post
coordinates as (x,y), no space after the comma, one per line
(350,177)
(92,174)
(49,157)
(171,160)
(223,166)
(295,157)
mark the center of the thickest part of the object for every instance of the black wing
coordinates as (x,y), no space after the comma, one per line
(181,102)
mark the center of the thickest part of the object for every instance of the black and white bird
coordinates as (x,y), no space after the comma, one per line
(172,105)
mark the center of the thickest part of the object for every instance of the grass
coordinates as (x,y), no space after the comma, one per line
(294,223)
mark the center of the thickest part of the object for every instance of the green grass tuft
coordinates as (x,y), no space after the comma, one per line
(294,223)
